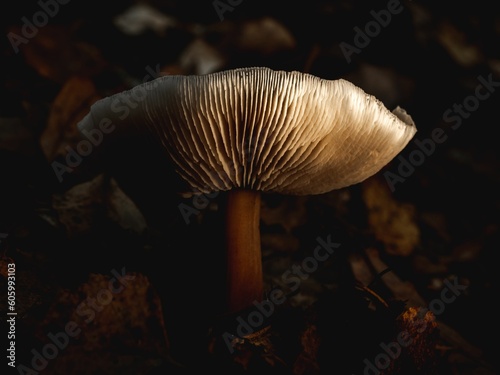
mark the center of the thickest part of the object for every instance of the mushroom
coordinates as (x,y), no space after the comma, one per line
(252,130)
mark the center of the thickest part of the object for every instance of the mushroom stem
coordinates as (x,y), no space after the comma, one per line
(244,260)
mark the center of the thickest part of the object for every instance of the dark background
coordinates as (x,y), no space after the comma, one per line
(440,224)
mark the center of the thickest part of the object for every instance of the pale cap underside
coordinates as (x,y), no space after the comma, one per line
(273,131)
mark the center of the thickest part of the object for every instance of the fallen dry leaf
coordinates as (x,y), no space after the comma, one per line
(392,222)
(69,107)
(55,55)
(265,36)
(307,361)
(456,44)
(86,205)
(142,17)
(421,331)
(290,213)
(112,319)
(199,57)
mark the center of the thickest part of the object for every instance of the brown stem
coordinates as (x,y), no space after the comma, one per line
(244,263)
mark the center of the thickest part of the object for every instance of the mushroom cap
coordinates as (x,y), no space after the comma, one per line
(256,128)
